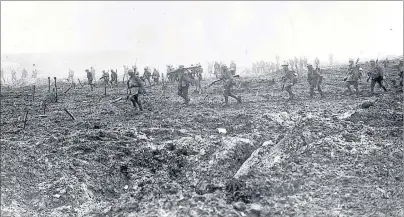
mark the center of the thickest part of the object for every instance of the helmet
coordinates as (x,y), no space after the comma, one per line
(372,60)
(309,65)
(103,70)
(351,60)
(87,70)
(130,70)
(181,66)
(224,67)
(285,64)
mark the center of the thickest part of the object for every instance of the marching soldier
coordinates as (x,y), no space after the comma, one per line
(147,74)
(156,76)
(24,74)
(227,77)
(376,74)
(92,70)
(13,75)
(105,76)
(183,85)
(34,71)
(233,67)
(114,77)
(90,78)
(136,83)
(289,79)
(71,75)
(199,72)
(315,78)
(352,77)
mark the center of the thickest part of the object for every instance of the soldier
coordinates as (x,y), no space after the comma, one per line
(24,74)
(289,79)
(217,69)
(89,78)
(105,76)
(233,67)
(183,85)
(227,77)
(125,72)
(34,71)
(376,74)
(114,77)
(156,76)
(352,77)
(71,75)
(147,74)
(13,75)
(317,62)
(135,82)
(199,72)
(315,78)
(92,70)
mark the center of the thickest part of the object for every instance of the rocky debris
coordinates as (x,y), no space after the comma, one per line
(239,206)
(254,159)
(368,103)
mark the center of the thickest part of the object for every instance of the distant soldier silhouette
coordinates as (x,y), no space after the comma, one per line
(352,77)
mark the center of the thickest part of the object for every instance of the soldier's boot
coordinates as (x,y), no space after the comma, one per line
(382,86)
(133,100)
(140,104)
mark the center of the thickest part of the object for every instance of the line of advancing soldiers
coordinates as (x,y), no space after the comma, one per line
(289,79)
(352,78)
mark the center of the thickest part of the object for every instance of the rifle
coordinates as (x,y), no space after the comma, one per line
(214,82)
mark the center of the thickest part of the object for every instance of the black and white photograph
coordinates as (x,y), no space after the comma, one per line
(201,108)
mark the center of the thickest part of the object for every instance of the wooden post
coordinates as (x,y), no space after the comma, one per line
(33,94)
(25,119)
(69,114)
(48,84)
(44,108)
(105,89)
(56,90)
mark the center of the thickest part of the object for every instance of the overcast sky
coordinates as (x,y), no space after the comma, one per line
(189,32)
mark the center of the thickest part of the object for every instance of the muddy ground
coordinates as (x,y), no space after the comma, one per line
(308,157)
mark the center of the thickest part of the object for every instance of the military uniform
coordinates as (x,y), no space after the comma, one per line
(315,78)
(183,85)
(136,83)
(105,76)
(13,75)
(233,67)
(24,74)
(227,77)
(89,77)
(114,76)
(156,76)
(352,77)
(376,74)
(34,72)
(289,80)
(147,75)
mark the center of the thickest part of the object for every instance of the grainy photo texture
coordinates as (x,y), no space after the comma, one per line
(203,109)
